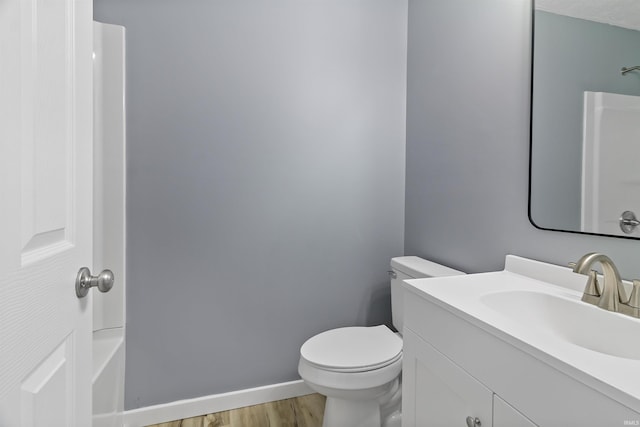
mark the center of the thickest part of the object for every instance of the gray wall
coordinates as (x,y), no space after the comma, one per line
(468,141)
(571,56)
(266,183)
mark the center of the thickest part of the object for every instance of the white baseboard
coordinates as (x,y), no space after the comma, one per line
(215,403)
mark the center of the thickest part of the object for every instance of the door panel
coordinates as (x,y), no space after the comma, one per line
(46,127)
(43,393)
(45,217)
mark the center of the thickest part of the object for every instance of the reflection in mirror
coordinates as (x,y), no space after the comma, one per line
(585,116)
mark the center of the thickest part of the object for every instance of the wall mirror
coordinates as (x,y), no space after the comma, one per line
(585,117)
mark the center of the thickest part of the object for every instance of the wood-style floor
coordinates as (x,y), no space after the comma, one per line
(304,411)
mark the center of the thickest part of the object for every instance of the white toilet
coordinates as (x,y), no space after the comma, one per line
(358,368)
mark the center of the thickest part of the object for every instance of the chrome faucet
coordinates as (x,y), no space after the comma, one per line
(612,295)
(612,292)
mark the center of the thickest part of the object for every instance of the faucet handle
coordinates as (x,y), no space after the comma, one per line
(592,287)
(592,292)
(634,299)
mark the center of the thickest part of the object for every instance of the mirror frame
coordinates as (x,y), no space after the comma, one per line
(530,184)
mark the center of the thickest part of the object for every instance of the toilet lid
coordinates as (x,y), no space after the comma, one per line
(353,349)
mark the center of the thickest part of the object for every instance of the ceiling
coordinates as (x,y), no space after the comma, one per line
(621,13)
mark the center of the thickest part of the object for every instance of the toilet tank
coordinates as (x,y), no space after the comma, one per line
(411,267)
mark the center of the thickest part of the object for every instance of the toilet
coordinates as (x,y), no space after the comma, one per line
(359,368)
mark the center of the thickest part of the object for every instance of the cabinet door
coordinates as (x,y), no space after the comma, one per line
(505,415)
(438,393)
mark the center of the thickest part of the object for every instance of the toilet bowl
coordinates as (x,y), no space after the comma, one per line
(359,368)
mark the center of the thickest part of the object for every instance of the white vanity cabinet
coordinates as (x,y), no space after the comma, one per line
(439,393)
(457,366)
(505,415)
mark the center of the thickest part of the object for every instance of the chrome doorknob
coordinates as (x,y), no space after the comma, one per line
(85,281)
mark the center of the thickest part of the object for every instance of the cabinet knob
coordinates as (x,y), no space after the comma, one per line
(473,422)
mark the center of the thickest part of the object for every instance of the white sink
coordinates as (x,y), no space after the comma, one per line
(577,322)
(537,308)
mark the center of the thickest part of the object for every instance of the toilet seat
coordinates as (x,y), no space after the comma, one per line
(353,349)
(348,381)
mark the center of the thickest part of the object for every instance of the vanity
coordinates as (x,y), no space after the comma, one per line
(517,348)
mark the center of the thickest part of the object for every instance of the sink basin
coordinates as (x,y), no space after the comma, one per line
(570,319)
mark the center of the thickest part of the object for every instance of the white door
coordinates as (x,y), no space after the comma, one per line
(611,177)
(45,212)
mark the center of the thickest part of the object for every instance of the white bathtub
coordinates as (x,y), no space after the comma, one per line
(108,375)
